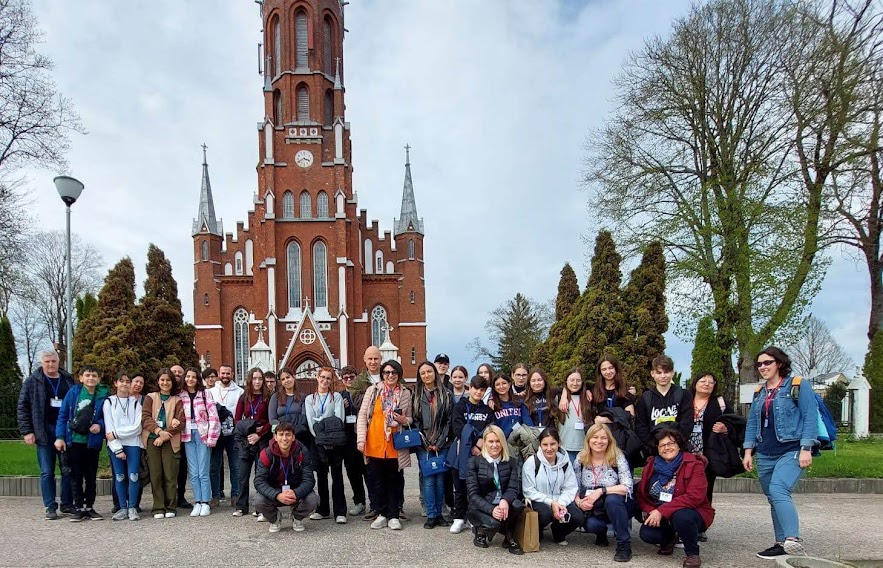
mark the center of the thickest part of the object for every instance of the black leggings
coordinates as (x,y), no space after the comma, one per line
(390,482)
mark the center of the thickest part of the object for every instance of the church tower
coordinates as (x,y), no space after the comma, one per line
(207,244)
(307,270)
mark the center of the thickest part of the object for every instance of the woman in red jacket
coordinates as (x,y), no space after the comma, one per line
(672,496)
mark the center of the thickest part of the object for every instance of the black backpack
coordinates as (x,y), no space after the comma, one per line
(330,432)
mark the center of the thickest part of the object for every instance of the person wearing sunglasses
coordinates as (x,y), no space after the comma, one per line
(780,435)
(353,460)
(672,497)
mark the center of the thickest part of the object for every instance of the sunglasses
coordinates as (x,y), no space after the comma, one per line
(390,374)
(766,363)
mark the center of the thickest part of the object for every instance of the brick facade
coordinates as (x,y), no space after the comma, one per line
(305,201)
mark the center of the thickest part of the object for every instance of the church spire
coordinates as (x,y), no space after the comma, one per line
(409,222)
(205,221)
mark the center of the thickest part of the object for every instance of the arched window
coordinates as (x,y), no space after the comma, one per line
(369,256)
(249,257)
(328,46)
(322,205)
(204,250)
(301,29)
(306,205)
(328,108)
(390,267)
(277,107)
(288,205)
(237,260)
(276,64)
(379,262)
(320,276)
(378,325)
(228,269)
(411,249)
(307,370)
(293,275)
(303,103)
(205,300)
(240,343)
(411,296)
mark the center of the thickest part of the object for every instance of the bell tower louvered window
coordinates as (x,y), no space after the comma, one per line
(303,103)
(328,46)
(301,29)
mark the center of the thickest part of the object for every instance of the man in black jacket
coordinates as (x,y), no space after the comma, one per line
(38,406)
(284,478)
(665,403)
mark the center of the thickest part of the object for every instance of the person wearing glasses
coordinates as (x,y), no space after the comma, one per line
(386,408)
(353,460)
(780,435)
(672,497)
(550,485)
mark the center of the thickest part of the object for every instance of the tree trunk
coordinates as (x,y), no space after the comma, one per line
(875,268)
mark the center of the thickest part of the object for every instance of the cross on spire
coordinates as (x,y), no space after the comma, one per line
(306,302)
(204,158)
(407,154)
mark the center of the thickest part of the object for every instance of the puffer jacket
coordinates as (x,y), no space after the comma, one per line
(525,441)
(480,487)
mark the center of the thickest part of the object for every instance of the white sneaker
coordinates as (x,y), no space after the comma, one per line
(120,515)
(238,514)
(318,517)
(340,520)
(159,516)
(457,526)
(297,525)
(133,515)
(197,508)
(563,543)
(356,510)
(794,547)
(262,518)
(379,522)
(395,524)
(205,511)
(170,515)
(277,525)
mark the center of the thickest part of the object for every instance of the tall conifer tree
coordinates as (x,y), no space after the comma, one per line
(568,293)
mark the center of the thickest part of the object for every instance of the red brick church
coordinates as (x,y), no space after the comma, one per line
(306,280)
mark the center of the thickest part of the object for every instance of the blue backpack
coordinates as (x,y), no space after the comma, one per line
(827,426)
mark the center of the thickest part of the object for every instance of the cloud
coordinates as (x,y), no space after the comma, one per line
(495,98)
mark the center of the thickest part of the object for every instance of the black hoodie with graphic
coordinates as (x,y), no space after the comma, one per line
(675,409)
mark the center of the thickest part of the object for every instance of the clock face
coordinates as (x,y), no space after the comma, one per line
(303,158)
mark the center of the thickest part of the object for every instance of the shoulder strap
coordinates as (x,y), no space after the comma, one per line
(795,387)
(536,467)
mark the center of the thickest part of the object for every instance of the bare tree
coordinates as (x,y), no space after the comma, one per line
(818,352)
(30,331)
(45,269)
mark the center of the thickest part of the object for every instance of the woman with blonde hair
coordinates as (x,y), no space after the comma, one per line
(493,485)
(604,495)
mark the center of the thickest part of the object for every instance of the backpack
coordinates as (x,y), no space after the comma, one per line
(536,466)
(827,426)
(330,432)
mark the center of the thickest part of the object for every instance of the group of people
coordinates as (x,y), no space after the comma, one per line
(488,447)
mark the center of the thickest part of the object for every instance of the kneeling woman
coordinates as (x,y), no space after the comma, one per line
(672,496)
(493,485)
(605,490)
(550,485)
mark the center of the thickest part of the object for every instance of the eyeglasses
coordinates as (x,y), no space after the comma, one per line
(348,377)
(766,363)
(390,374)
(668,445)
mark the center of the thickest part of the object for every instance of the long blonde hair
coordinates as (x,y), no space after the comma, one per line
(610,456)
(494,429)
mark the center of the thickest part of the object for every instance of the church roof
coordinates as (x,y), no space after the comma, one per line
(408,222)
(205,221)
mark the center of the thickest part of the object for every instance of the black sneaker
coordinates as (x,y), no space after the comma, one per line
(51,514)
(93,515)
(68,509)
(515,549)
(78,517)
(480,540)
(703,537)
(601,540)
(623,553)
(184,504)
(772,552)
(430,523)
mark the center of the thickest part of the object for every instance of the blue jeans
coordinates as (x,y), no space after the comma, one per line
(225,444)
(433,489)
(618,511)
(47,455)
(778,476)
(198,457)
(125,476)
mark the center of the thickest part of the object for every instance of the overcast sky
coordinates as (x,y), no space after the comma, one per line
(495,98)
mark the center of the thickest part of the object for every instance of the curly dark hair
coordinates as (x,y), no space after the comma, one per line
(664,432)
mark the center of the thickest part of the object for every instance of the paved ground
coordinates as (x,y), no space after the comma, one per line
(834,526)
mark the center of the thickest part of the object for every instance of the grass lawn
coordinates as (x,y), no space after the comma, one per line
(853,458)
(18,458)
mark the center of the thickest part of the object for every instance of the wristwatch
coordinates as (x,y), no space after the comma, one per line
(603,490)
(806,448)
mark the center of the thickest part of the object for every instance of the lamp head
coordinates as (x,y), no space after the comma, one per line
(68,188)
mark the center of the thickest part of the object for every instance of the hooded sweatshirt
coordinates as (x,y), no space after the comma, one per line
(552,482)
(675,410)
(122,417)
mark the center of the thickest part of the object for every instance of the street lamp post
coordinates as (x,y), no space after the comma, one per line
(69,189)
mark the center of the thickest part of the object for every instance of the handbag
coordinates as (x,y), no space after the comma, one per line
(432,464)
(82,420)
(527,530)
(407,438)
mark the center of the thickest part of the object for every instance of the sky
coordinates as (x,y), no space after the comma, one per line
(496,99)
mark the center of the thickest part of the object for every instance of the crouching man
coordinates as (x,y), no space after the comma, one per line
(284,478)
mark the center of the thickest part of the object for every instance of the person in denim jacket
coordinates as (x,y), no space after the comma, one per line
(780,435)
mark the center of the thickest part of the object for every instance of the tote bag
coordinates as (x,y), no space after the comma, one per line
(527,530)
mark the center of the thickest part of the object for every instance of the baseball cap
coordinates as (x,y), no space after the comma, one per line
(442,358)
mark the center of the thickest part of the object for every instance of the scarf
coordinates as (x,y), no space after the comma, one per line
(664,471)
(389,402)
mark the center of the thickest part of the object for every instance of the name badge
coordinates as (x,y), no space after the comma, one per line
(697,428)
(286,487)
(160,424)
(55,402)
(665,497)
(579,426)
(351,419)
